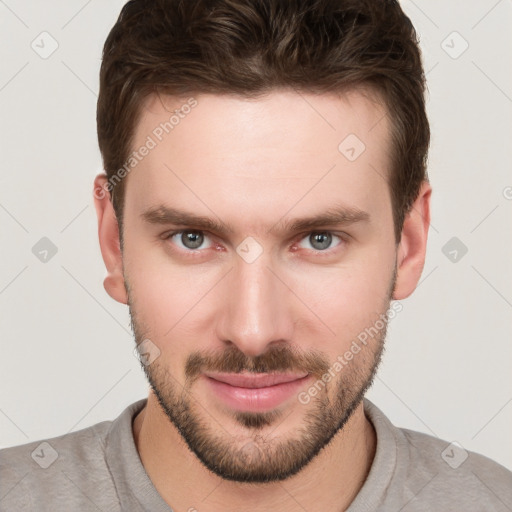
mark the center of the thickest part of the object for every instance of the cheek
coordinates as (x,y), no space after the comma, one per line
(345,300)
(162,302)
(160,292)
(164,296)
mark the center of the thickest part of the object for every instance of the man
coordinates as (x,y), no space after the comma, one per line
(265,199)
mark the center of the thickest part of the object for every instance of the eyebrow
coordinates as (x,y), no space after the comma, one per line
(337,215)
(167,215)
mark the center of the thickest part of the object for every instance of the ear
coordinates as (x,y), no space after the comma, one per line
(413,244)
(108,233)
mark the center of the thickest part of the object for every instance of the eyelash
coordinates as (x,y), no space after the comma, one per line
(343,237)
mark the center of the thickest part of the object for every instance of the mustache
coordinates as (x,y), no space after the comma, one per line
(278,358)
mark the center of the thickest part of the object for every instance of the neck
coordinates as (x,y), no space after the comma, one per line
(329,482)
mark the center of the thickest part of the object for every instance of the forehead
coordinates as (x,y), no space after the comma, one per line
(285,150)
(233,121)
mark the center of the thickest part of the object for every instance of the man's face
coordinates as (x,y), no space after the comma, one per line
(257,291)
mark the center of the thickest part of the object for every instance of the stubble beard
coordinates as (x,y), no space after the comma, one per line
(256,457)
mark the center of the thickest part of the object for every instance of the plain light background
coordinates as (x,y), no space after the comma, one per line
(66,358)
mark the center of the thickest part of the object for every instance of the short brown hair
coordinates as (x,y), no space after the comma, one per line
(251,47)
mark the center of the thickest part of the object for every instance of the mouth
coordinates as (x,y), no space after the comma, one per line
(254,392)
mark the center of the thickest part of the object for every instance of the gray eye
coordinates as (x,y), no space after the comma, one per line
(320,241)
(192,239)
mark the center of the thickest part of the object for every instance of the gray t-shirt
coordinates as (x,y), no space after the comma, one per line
(99,469)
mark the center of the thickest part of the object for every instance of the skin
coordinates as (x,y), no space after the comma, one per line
(252,164)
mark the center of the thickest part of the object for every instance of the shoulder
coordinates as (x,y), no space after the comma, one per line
(70,467)
(452,472)
(422,472)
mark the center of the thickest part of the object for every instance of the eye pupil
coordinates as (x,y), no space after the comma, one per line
(192,239)
(320,241)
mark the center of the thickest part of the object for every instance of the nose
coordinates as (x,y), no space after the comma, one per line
(256,310)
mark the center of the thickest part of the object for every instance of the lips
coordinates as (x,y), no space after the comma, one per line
(254,392)
(254,381)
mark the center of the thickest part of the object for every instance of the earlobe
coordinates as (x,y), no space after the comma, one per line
(413,244)
(108,233)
